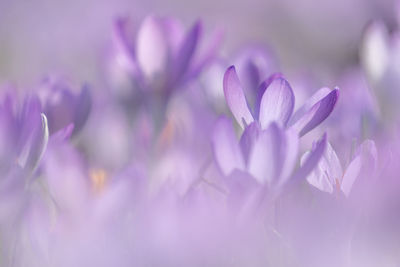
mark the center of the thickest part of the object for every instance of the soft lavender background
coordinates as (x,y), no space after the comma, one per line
(40,36)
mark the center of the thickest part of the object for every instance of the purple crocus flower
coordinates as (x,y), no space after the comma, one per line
(275,103)
(63,106)
(24,132)
(329,175)
(269,155)
(163,55)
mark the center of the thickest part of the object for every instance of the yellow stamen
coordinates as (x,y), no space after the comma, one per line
(98,178)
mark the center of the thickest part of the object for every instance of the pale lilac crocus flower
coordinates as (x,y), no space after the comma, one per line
(163,55)
(275,103)
(329,175)
(269,155)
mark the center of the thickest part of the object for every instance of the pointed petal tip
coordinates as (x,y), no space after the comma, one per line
(277,102)
(235,97)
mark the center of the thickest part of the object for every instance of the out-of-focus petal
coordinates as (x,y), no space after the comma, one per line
(226,148)
(317,113)
(311,161)
(328,171)
(364,163)
(186,52)
(289,152)
(261,90)
(351,174)
(151,48)
(265,158)
(375,50)
(249,136)
(207,55)
(235,98)
(83,108)
(277,103)
(125,51)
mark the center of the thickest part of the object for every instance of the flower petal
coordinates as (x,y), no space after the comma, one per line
(186,52)
(235,98)
(311,161)
(351,174)
(249,136)
(151,48)
(375,51)
(265,158)
(261,90)
(289,151)
(124,50)
(365,161)
(317,96)
(83,108)
(226,148)
(317,113)
(328,171)
(277,103)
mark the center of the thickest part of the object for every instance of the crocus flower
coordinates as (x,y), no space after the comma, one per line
(269,155)
(23,140)
(163,55)
(63,106)
(329,175)
(24,132)
(275,103)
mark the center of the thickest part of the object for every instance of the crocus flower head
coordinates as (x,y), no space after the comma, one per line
(163,55)
(329,176)
(269,155)
(275,103)
(24,132)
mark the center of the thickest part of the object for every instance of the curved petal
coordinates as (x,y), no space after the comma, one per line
(289,152)
(317,113)
(261,90)
(186,52)
(351,174)
(375,50)
(125,51)
(311,160)
(83,106)
(317,96)
(151,47)
(277,103)
(226,148)
(35,146)
(365,162)
(328,171)
(249,136)
(235,98)
(265,158)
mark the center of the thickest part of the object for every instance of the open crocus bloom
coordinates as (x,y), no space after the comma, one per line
(329,176)
(163,55)
(24,132)
(275,103)
(268,155)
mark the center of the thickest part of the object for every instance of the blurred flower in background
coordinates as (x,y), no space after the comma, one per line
(168,133)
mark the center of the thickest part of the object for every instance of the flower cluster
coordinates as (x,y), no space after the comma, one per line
(182,157)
